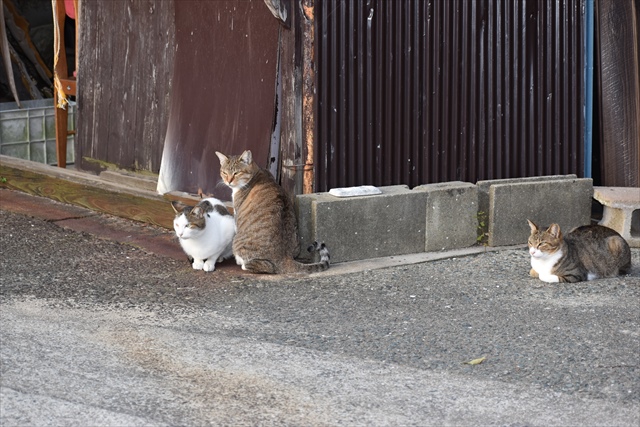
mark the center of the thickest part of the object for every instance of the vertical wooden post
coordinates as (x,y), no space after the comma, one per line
(290,105)
(60,72)
(617,29)
(308,94)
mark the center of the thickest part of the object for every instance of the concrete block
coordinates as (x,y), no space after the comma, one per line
(451,215)
(566,202)
(483,187)
(355,228)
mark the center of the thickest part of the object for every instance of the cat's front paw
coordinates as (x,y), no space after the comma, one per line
(549,278)
(533,273)
(209,266)
(198,264)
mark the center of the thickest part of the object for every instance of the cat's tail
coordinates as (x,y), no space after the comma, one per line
(325,258)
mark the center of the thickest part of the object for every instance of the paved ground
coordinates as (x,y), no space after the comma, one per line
(94,331)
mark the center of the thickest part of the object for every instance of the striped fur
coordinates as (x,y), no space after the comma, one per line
(266,240)
(586,253)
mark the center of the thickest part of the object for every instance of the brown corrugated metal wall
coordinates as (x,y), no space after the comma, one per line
(416,91)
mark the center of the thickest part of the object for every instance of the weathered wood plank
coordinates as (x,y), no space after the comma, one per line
(88,191)
(617,32)
(125,70)
(290,104)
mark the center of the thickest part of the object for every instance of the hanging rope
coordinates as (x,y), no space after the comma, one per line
(62,101)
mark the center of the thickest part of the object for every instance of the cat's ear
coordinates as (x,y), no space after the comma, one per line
(532,226)
(554,230)
(222,157)
(246,157)
(197,211)
(178,207)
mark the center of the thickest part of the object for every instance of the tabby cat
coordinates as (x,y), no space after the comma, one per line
(586,253)
(267,233)
(205,232)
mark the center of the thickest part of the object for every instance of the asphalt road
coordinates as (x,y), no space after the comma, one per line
(95,332)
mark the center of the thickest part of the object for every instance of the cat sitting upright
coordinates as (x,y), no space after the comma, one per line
(267,231)
(585,253)
(205,232)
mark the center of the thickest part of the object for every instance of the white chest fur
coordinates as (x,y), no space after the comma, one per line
(209,244)
(543,265)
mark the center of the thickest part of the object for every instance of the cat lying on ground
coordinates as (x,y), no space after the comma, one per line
(586,253)
(205,232)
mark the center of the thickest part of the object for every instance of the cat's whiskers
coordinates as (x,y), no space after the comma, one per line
(221,183)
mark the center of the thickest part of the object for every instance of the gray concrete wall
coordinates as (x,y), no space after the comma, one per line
(483,187)
(566,202)
(451,215)
(444,216)
(399,221)
(354,228)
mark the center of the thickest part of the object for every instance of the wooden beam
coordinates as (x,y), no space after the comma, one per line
(88,191)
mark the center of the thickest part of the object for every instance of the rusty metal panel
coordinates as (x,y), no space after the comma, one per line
(421,91)
(223,91)
(124,74)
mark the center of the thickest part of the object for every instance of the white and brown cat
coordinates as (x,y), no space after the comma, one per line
(267,233)
(585,253)
(205,232)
